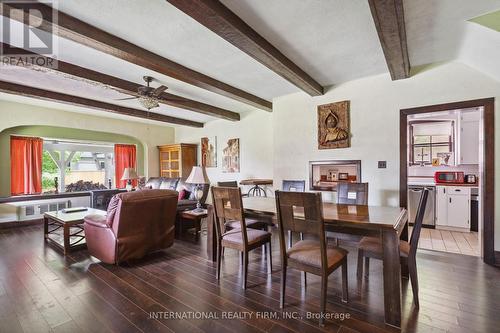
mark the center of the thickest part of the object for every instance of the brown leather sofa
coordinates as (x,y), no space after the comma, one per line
(136,224)
(178,185)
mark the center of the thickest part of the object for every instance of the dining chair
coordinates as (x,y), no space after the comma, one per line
(303,212)
(231,183)
(251,222)
(371,247)
(349,194)
(228,206)
(352,193)
(293,186)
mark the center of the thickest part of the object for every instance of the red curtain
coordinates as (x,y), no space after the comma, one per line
(125,157)
(25,165)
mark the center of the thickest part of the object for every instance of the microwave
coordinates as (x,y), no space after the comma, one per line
(452,177)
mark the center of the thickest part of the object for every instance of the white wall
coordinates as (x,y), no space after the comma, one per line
(19,114)
(375,105)
(256,144)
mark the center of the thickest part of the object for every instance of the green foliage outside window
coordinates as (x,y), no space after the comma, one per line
(50,169)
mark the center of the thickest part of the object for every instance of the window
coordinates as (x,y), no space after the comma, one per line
(431,140)
(77,166)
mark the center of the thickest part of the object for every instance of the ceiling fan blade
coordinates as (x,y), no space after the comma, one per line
(124,99)
(159,90)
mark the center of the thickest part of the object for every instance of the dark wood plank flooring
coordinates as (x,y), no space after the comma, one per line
(43,291)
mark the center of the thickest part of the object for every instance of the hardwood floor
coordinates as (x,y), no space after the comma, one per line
(449,241)
(42,291)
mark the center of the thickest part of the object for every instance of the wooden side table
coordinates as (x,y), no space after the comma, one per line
(193,217)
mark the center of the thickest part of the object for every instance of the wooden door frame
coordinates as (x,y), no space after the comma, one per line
(488,165)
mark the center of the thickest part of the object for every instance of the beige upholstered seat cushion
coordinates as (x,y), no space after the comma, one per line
(308,252)
(374,245)
(253,235)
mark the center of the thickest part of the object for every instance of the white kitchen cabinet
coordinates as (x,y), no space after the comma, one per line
(459,208)
(468,139)
(441,206)
(453,207)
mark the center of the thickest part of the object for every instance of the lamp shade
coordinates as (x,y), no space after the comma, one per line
(198,176)
(129,173)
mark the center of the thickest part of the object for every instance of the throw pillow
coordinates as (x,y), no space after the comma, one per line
(184,194)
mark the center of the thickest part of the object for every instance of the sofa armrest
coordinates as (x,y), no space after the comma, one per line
(96,220)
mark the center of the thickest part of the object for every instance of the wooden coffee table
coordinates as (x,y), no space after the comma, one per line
(71,224)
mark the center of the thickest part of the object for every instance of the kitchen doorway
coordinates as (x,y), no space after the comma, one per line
(440,149)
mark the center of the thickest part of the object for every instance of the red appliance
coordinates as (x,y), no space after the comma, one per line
(449,177)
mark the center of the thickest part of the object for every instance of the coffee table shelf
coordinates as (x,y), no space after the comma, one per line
(65,230)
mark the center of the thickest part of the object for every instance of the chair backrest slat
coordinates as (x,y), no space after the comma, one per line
(352,193)
(419,219)
(228,207)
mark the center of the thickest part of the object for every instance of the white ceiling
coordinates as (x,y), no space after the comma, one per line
(481,49)
(163,29)
(332,40)
(436,29)
(329,39)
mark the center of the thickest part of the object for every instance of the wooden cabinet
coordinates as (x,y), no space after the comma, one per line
(177,160)
(453,207)
(468,138)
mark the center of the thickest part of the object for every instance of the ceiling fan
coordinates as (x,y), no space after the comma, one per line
(148,96)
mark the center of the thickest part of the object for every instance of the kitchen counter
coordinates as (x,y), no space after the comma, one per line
(465,185)
(410,183)
(424,181)
(421,183)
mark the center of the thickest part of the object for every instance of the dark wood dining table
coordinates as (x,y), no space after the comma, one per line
(388,223)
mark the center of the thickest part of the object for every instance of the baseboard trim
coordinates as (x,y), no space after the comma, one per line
(445,228)
(20,224)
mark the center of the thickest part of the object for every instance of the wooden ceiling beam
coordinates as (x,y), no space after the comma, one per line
(222,21)
(130,88)
(388,16)
(26,91)
(71,28)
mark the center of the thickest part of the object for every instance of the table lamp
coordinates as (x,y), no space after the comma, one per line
(129,174)
(198,176)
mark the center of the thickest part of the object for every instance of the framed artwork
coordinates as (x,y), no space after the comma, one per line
(334,128)
(231,156)
(446,158)
(209,152)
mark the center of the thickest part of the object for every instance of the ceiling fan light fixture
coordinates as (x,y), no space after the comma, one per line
(149,102)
